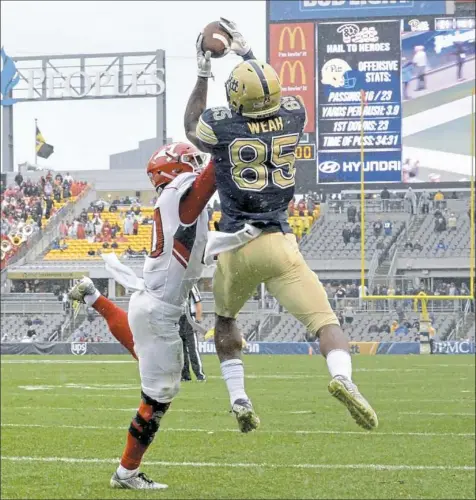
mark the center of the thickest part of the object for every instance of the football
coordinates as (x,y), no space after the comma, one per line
(215,39)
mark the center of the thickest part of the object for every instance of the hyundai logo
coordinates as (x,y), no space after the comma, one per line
(329,167)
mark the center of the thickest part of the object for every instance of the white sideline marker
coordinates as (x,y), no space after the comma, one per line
(304,432)
(377,467)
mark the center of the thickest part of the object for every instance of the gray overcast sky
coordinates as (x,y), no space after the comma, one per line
(85,133)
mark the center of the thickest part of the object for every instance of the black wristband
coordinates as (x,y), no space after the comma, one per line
(249,55)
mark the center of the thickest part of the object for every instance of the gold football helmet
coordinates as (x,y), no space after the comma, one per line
(254,90)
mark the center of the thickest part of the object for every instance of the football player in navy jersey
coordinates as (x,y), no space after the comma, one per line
(252,142)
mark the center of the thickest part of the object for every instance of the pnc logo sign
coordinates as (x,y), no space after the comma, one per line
(291,35)
(292,67)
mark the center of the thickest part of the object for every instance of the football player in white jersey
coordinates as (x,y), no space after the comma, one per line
(150,329)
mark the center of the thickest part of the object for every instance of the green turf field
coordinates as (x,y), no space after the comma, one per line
(64,422)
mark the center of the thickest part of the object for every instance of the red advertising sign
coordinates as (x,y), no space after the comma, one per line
(292,55)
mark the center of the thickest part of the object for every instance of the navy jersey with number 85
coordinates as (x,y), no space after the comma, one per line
(254,163)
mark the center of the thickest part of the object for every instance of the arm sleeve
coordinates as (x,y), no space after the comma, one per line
(198,195)
(206,132)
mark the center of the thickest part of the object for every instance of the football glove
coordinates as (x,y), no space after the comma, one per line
(204,63)
(238,44)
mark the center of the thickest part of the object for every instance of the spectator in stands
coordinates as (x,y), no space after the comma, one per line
(115,230)
(452,222)
(91,252)
(135,227)
(388,227)
(129,251)
(411,200)
(377,226)
(83,216)
(105,245)
(380,244)
(346,234)
(310,205)
(408,245)
(97,222)
(362,293)
(417,246)
(425,202)
(385,197)
(384,327)
(351,214)
(373,328)
(106,231)
(114,245)
(56,193)
(441,245)
(80,232)
(440,224)
(356,232)
(128,224)
(301,207)
(66,190)
(68,178)
(349,314)
(19,179)
(49,204)
(339,297)
(144,251)
(127,201)
(439,199)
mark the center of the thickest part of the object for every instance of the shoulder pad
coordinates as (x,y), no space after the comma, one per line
(180,184)
(294,105)
(210,122)
(205,128)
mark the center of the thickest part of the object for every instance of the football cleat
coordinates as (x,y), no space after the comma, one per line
(83,287)
(245,415)
(347,393)
(137,482)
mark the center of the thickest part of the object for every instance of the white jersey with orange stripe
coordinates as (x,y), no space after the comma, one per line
(175,262)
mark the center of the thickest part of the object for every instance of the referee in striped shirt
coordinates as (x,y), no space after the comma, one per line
(189,338)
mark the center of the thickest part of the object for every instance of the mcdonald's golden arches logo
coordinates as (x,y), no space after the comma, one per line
(293,66)
(292,32)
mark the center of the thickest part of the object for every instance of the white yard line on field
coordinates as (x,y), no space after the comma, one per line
(185,397)
(431,414)
(184,410)
(209,431)
(376,467)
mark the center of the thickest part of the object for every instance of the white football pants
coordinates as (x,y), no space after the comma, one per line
(158,346)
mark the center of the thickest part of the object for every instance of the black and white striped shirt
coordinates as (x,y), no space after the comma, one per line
(193,299)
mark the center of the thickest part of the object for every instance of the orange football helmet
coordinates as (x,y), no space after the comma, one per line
(174,159)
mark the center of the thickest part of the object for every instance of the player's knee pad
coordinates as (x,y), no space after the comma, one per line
(144,426)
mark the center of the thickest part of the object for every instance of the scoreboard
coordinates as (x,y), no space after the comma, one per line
(329,69)
(359,101)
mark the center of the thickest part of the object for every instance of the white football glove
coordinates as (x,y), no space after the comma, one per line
(204,63)
(238,44)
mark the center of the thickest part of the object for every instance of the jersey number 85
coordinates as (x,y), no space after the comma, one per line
(251,160)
